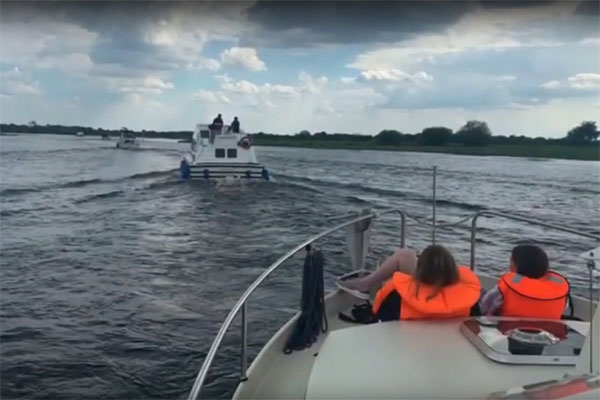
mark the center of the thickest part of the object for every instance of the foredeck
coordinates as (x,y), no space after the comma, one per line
(416,359)
(350,360)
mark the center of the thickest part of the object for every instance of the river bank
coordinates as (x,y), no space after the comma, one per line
(553,151)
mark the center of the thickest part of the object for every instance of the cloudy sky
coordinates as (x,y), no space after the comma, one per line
(525,67)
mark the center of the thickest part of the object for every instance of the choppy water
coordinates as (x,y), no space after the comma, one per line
(115,275)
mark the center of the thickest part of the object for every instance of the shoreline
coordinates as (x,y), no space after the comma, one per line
(541,151)
(554,152)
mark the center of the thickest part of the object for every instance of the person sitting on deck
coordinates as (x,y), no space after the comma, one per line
(529,289)
(437,289)
(430,286)
(235,126)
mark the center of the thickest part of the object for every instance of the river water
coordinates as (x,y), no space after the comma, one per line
(116,275)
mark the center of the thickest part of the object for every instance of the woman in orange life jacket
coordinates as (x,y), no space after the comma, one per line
(529,289)
(437,289)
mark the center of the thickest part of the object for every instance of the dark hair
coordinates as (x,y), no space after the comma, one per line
(436,267)
(531,261)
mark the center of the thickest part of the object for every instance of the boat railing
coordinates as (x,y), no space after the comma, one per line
(488,213)
(241,304)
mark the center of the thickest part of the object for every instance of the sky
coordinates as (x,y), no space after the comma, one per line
(525,67)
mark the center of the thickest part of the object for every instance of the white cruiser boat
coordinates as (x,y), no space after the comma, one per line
(128,141)
(218,153)
(463,358)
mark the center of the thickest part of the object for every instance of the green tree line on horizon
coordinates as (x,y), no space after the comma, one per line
(473,133)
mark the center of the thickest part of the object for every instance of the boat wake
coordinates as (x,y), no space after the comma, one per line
(84,182)
(384,193)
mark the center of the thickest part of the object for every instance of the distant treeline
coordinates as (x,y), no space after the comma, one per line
(33,127)
(472,134)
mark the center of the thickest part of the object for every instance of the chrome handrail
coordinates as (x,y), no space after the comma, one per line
(486,213)
(241,303)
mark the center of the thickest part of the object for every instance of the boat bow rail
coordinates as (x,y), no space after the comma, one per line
(241,304)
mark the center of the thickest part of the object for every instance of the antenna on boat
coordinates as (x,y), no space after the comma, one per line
(434,199)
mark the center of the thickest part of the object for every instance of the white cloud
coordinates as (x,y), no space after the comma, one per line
(248,94)
(137,111)
(505,78)
(246,57)
(37,42)
(209,64)
(394,75)
(15,82)
(582,82)
(551,85)
(154,82)
(310,84)
(280,90)
(592,41)
(238,87)
(211,97)
(485,30)
(147,85)
(298,102)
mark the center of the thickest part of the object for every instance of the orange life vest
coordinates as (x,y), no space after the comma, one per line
(451,301)
(545,297)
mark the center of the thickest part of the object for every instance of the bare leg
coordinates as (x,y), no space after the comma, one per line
(404,260)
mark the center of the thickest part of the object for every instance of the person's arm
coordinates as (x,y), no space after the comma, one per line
(491,302)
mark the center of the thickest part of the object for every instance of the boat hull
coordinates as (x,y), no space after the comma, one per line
(223,171)
(127,146)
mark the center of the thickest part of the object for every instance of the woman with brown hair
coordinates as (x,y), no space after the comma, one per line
(436,289)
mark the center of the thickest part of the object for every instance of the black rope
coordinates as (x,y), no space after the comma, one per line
(313,319)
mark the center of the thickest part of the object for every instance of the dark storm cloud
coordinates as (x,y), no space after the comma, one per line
(124,28)
(589,8)
(515,3)
(352,22)
(306,24)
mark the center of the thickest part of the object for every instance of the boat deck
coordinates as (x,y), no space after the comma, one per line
(287,376)
(335,368)
(416,359)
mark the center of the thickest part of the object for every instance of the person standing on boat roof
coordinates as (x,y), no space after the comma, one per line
(216,127)
(235,126)
(217,122)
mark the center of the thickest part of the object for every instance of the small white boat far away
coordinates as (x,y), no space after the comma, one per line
(128,141)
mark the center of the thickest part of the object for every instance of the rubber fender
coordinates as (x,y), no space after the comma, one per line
(185,170)
(265,174)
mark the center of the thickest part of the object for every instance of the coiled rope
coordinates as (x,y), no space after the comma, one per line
(313,319)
